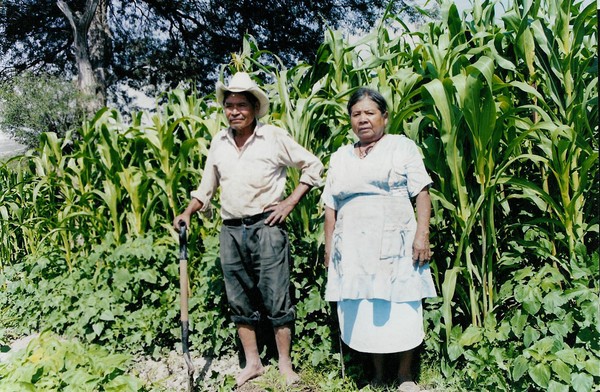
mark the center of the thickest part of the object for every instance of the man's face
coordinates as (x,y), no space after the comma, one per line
(239,111)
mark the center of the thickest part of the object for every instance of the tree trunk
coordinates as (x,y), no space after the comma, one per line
(100,45)
(90,100)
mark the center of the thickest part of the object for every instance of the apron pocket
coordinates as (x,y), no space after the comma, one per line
(393,242)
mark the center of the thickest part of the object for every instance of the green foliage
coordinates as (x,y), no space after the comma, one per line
(546,337)
(210,327)
(50,363)
(506,116)
(111,177)
(115,297)
(33,104)
(172,45)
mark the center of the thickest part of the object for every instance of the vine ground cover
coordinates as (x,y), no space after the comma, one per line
(506,115)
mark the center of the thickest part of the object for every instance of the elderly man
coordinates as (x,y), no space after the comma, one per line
(249,161)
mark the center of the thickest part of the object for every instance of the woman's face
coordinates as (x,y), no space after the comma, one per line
(368,123)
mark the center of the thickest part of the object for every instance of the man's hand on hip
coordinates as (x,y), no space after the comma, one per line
(279,212)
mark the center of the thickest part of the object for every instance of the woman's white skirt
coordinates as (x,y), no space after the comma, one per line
(379,326)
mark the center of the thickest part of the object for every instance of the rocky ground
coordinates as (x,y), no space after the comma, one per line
(169,373)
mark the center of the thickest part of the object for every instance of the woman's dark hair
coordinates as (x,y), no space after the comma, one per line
(251,97)
(365,92)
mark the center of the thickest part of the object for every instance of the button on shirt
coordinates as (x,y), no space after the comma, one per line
(253,177)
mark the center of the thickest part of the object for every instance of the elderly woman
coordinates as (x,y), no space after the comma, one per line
(377,253)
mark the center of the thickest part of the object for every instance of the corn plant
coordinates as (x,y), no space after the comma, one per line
(559,49)
(505,112)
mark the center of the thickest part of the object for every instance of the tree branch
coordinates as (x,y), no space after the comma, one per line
(64,7)
(83,21)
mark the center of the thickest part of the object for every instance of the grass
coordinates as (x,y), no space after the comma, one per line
(329,379)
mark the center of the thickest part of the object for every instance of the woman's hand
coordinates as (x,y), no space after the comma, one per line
(421,251)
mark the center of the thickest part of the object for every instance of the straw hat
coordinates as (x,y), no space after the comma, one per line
(241,82)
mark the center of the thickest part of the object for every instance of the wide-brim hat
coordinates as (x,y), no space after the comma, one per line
(240,82)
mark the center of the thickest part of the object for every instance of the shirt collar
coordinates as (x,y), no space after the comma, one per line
(258,131)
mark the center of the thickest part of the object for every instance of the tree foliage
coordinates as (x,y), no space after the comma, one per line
(30,105)
(506,115)
(109,46)
(157,43)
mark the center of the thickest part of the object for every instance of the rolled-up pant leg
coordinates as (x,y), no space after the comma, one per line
(256,268)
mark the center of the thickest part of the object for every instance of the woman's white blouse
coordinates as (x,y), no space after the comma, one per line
(375,227)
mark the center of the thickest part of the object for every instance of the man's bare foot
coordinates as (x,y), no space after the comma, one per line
(286,370)
(408,386)
(248,373)
(291,376)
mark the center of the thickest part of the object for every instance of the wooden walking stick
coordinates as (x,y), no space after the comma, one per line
(183,288)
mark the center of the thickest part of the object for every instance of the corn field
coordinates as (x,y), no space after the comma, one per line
(505,110)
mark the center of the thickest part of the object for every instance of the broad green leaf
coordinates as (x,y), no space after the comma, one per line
(98,328)
(568,356)
(562,370)
(592,365)
(526,45)
(121,277)
(470,336)
(314,301)
(436,90)
(519,367)
(123,383)
(455,350)
(80,379)
(518,322)
(448,288)
(582,382)
(530,297)
(561,328)
(554,386)
(18,386)
(127,295)
(546,345)
(540,374)
(530,336)
(452,18)
(485,66)
(528,89)
(106,315)
(149,276)
(554,300)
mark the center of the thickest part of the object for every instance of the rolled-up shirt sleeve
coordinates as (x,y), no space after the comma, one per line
(294,155)
(327,195)
(208,184)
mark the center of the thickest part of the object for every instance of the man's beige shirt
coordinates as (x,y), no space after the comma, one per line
(253,178)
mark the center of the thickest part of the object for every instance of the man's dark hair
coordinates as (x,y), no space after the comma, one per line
(365,92)
(251,97)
